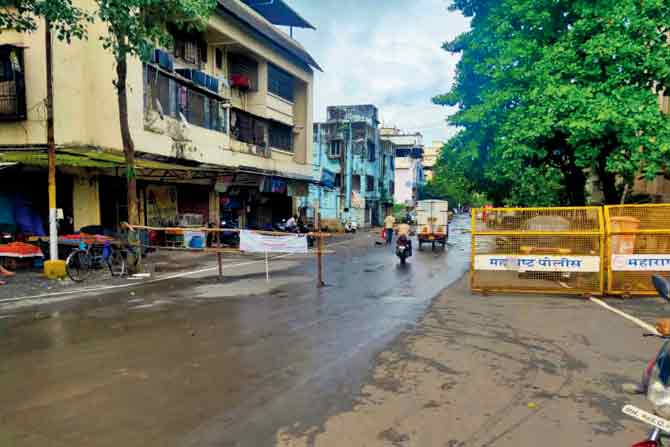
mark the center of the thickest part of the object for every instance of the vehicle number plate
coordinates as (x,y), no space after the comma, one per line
(431,238)
(647,418)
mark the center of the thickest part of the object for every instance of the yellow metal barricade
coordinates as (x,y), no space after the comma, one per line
(542,250)
(638,246)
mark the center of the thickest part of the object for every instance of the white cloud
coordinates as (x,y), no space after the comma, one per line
(386,53)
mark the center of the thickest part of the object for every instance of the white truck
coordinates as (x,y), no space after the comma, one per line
(432,222)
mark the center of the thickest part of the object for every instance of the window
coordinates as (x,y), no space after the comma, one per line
(195,108)
(249,129)
(356,183)
(171,98)
(370,180)
(218,56)
(280,83)
(403,152)
(12,85)
(158,95)
(189,49)
(281,136)
(335,149)
(372,151)
(338,180)
(241,65)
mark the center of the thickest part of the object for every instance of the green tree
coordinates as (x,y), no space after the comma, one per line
(134,28)
(66,20)
(551,92)
(453,179)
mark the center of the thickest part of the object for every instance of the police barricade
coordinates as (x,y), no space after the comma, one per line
(638,246)
(541,250)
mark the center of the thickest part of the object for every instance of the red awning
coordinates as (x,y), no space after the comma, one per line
(20,250)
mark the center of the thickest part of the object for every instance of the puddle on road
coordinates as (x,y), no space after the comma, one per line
(373,268)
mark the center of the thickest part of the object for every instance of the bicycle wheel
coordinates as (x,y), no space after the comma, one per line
(78,265)
(116,263)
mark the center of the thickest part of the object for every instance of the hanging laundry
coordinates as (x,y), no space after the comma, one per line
(183,98)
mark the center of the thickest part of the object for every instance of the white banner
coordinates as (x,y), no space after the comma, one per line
(641,263)
(538,263)
(261,243)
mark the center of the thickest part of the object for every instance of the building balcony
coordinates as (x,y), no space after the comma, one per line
(173,96)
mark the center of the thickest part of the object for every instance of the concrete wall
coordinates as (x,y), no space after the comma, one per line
(86,201)
(403,185)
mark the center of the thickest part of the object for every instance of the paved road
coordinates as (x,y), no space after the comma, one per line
(192,362)
(497,371)
(384,356)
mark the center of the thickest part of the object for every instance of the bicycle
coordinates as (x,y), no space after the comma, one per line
(81,261)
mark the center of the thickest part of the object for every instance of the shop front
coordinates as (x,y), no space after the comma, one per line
(258,201)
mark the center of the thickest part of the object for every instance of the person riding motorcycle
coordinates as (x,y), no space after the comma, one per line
(404,231)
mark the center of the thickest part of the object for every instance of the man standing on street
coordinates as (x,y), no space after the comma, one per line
(389,223)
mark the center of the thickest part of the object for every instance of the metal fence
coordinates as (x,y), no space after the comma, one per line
(544,250)
(638,246)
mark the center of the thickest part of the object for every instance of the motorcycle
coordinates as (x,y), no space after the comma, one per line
(351,226)
(655,381)
(403,249)
(230,238)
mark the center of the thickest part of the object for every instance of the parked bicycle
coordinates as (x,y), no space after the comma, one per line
(94,256)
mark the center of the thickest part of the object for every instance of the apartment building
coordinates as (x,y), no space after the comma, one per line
(409,174)
(221,120)
(430,156)
(355,169)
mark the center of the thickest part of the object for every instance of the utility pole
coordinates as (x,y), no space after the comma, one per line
(51,144)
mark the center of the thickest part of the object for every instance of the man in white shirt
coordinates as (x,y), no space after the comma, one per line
(291,223)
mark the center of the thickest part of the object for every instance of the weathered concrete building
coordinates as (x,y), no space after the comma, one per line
(356,170)
(430,155)
(409,175)
(222,121)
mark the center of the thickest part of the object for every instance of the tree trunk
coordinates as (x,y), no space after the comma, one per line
(126,137)
(610,190)
(575,185)
(608,182)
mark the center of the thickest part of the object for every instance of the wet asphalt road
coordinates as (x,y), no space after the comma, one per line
(193,362)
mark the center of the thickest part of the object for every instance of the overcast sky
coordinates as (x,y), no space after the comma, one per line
(383,52)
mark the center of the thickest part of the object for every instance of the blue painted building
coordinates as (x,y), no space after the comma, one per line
(356,171)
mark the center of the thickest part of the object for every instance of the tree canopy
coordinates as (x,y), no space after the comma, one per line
(552,93)
(67,20)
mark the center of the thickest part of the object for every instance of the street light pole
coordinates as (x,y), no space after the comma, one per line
(51,144)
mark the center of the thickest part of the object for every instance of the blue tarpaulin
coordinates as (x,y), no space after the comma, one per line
(328,178)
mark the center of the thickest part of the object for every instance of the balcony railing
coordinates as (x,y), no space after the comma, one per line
(177,98)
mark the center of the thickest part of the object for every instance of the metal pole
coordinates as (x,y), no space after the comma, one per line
(319,249)
(139,252)
(218,245)
(51,144)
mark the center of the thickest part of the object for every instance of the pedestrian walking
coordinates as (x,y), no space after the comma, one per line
(389,223)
